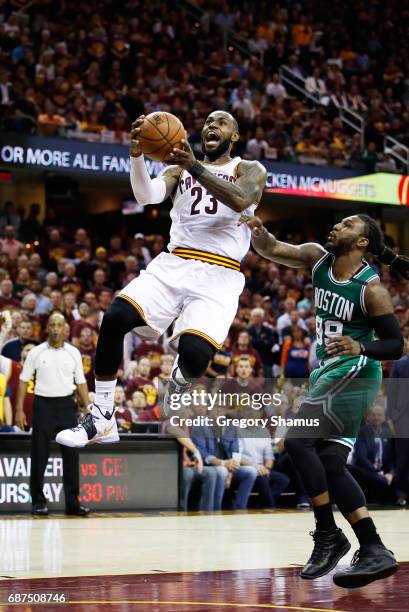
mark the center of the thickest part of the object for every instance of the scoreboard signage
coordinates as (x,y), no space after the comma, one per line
(128,478)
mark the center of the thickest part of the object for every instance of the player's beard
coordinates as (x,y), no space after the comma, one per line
(220,150)
(337,249)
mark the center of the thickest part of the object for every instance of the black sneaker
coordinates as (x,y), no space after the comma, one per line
(329,547)
(39,509)
(369,563)
(78,511)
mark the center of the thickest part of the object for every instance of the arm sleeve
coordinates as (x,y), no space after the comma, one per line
(79,370)
(145,189)
(28,368)
(390,343)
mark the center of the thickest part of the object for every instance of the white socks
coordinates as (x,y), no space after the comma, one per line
(104,395)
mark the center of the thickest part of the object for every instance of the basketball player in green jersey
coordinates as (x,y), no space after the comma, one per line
(351,307)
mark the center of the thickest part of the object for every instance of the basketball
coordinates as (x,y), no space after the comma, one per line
(160,132)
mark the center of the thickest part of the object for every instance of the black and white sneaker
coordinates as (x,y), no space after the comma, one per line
(329,547)
(174,392)
(369,563)
(95,427)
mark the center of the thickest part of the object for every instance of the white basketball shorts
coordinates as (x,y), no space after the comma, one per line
(201,298)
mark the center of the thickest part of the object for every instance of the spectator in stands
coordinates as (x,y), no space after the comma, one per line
(12,349)
(7,299)
(10,216)
(140,251)
(306,305)
(256,450)
(315,85)
(263,339)
(275,88)
(243,348)
(9,244)
(193,469)
(216,447)
(161,381)
(122,413)
(372,459)
(295,355)
(49,122)
(140,410)
(141,380)
(399,414)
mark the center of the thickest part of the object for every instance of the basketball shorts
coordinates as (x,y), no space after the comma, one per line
(201,298)
(339,395)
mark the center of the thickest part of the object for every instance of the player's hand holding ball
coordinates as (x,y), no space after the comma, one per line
(157,135)
(134,148)
(343,345)
(183,157)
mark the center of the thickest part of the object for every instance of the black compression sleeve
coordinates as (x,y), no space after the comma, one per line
(390,343)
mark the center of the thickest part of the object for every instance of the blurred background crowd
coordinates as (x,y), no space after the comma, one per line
(87,71)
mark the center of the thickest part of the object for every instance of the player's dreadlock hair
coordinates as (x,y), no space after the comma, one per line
(377,247)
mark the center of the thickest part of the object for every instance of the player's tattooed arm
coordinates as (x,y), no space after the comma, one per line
(292,255)
(247,190)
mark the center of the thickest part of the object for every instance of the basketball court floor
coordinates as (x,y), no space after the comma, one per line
(194,562)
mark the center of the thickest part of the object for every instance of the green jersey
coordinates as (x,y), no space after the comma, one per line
(340,306)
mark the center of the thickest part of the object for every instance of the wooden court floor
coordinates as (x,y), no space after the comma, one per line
(193,562)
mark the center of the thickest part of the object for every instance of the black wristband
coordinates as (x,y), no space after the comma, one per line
(197,169)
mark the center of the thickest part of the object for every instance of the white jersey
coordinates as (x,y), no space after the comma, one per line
(199,221)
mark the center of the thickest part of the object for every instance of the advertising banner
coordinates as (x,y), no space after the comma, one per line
(333,184)
(103,159)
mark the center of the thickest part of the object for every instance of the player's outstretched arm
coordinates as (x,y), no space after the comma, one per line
(292,255)
(145,189)
(247,190)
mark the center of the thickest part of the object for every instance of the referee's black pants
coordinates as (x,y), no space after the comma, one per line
(51,415)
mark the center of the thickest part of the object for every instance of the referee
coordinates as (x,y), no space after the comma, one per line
(57,368)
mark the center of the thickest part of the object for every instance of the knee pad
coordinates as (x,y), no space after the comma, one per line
(194,355)
(122,317)
(334,465)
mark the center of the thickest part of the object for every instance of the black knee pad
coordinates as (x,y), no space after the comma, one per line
(334,459)
(122,317)
(194,355)
(119,319)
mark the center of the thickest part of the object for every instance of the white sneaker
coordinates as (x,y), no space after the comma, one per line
(94,428)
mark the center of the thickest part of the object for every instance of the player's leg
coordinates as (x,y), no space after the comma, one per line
(330,544)
(149,303)
(100,424)
(373,560)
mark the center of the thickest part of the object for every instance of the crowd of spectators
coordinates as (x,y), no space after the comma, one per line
(88,70)
(271,345)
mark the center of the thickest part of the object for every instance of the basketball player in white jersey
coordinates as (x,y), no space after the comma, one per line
(197,283)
